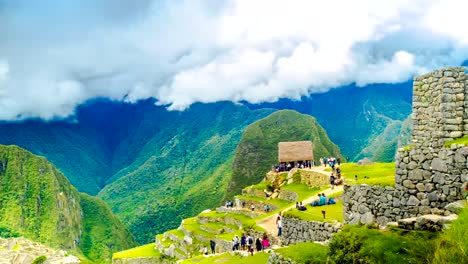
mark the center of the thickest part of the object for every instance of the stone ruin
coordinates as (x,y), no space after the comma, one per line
(429,174)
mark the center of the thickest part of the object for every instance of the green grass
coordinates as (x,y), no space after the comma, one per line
(452,246)
(259,258)
(368,244)
(382,174)
(177,232)
(334,212)
(277,202)
(458,141)
(303,253)
(301,189)
(142,251)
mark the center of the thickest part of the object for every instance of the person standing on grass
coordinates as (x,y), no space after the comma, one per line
(212,246)
(265,242)
(258,244)
(243,241)
(250,242)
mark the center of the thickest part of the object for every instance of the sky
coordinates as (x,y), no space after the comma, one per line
(56,55)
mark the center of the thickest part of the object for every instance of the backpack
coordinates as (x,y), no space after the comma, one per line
(250,240)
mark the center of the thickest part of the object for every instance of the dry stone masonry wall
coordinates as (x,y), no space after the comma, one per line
(297,231)
(429,175)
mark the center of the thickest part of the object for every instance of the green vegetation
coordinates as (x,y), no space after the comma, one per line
(231,258)
(301,189)
(367,244)
(334,212)
(183,167)
(382,174)
(142,251)
(39,203)
(305,253)
(258,148)
(452,246)
(458,141)
(39,260)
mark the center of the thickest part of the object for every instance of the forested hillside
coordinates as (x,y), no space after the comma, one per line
(39,203)
(258,148)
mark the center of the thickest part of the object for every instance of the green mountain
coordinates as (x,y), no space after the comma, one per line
(39,203)
(258,148)
(183,167)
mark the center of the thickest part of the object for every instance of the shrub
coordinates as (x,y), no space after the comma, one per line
(368,244)
(40,260)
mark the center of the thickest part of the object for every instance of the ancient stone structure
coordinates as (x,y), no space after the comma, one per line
(429,174)
(276,258)
(296,230)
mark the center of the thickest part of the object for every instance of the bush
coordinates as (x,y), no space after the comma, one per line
(6,232)
(367,244)
(40,260)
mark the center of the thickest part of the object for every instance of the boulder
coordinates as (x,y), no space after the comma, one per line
(456,207)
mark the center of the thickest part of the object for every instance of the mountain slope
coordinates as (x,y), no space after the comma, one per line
(355,116)
(39,203)
(258,149)
(183,167)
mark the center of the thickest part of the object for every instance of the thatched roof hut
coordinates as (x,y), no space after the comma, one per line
(295,151)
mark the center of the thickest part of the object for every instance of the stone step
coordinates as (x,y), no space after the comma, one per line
(427,222)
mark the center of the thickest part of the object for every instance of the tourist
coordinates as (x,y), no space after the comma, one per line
(212,246)
(297,205)
(249,243)
(322,199)
(265,242)
(253,207)
(331,200)
(338,160)
(235,242)
(301,207)
(258,244)
(338,171)
(317,201)
(204,250)
(279,224)
(332,181)
(325,161)
(243,241)
(355,177)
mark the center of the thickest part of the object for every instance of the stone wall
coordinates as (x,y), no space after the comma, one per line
(314,179)
(439,112)
(296,230)
(258,205)
(276,258)
(429,175)
(148,260)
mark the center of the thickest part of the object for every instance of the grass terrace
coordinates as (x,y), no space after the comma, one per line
(138,252)
(302,190)
(382,174)
(307,252)
(277,202)
(231,258)
(334,212)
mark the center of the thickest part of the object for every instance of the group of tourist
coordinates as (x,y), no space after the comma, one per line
(246,242)
(332,162)
(287,166)
(322,200)
(335,180)
(229,204)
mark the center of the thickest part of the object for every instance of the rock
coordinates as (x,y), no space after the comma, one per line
(367,218)
(439,165)
(412,165)
(421,187)
(456,207)
(413,201)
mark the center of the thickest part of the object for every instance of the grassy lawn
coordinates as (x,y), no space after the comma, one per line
(307,252)
(259,258)
(382,174)
(462,141)
(277,202)
(142,251)
(334,212)
(301,189)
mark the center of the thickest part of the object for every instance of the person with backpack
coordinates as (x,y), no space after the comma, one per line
(250,242)
(243,241)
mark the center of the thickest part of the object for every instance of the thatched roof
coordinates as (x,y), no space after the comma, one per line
(295,151)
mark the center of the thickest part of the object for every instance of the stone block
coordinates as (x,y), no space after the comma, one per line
(413,201)
(438,164)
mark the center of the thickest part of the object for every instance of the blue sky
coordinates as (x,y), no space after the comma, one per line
(55,55)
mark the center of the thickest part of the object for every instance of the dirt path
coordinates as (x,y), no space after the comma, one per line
(270,223)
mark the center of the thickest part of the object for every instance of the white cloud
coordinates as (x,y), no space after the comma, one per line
(184,51)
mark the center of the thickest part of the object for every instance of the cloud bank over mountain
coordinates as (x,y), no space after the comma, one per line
(55,55)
